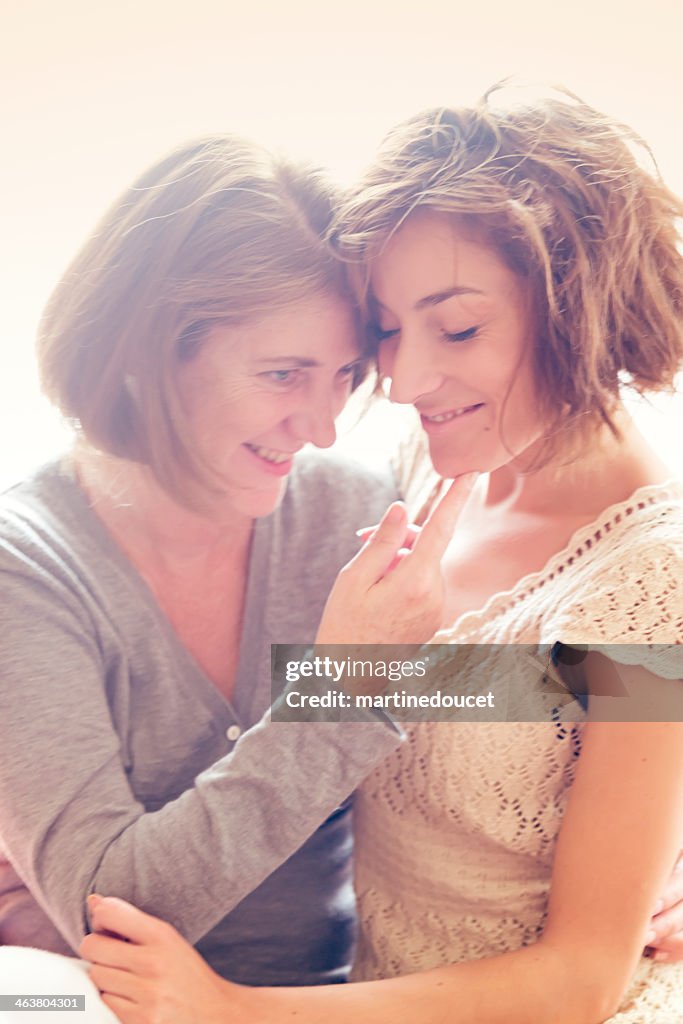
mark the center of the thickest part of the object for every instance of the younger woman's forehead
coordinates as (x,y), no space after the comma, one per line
(428,262)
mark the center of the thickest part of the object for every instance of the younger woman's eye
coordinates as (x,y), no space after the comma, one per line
(460,335)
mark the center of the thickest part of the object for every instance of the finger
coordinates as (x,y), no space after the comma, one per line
(439,527)
(670,950)
(126,1011)
(412,532)
(114,981)
(670,922)
(672,895)
(111,914)
(400,555)
(672,944)
(374,558)
(100,949)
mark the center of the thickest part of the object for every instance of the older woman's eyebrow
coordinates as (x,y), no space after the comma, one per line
(298,361)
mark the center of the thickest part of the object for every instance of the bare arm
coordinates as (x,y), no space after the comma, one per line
(607,875)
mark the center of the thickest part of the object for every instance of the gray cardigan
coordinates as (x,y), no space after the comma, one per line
(124,771)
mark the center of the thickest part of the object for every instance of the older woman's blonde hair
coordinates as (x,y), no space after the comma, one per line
(557,188)
(218,232)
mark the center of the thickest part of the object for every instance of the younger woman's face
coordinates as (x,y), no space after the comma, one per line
(456,336)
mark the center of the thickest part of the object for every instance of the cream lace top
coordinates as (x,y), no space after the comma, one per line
(456,830)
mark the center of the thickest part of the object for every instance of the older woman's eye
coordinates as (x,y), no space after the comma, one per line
(381,335)
(284,378)
(351,369)
(459,335)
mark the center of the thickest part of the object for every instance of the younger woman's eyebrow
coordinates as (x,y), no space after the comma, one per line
(436,297)
(448,293)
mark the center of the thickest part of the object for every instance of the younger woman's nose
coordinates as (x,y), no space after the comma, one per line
(408,365)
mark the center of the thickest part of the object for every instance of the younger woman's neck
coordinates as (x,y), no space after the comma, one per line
(608,473)
(146,521)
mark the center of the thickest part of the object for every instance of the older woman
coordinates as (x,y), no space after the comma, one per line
(200,339)
(519,267)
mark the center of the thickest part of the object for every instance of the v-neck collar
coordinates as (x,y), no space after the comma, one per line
(242,708)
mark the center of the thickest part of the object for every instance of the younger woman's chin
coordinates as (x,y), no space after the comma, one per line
(450,467)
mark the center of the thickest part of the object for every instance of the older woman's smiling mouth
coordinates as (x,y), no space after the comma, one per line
(270,459)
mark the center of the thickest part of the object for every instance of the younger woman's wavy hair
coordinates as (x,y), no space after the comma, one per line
(217,232)
(558,190)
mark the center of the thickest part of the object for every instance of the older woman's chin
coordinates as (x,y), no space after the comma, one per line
(253,502)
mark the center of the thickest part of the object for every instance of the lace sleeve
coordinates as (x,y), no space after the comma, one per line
(665,660)
(633,609)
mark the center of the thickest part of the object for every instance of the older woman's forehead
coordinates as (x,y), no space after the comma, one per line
(305,333)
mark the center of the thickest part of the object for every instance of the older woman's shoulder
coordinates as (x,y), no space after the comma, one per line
(312,534)
(341,481)
(50,554)
(329,496)
(40,513)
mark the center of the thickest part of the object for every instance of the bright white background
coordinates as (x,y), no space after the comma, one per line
(94,92)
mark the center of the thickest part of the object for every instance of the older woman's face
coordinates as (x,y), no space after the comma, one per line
(456,338)
(255,394)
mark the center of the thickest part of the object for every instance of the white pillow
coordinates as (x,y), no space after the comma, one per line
(25,971)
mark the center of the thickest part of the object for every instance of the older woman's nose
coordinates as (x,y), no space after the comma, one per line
(314,424)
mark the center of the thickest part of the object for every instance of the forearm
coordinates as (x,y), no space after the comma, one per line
(194,860)
(534,985)
(74,787)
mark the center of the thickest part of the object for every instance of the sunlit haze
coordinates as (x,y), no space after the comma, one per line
(93,92)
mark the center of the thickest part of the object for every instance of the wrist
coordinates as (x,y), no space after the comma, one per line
(254,1005)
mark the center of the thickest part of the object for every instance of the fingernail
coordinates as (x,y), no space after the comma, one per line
(650,938)
(93,900)
(365,529)
(659,907)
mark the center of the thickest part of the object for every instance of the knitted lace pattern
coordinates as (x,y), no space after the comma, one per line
(456,830)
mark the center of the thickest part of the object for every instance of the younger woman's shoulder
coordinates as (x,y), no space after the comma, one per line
(646,528)
(630,588)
